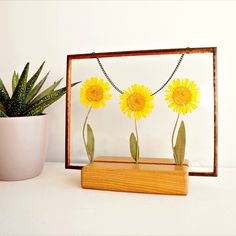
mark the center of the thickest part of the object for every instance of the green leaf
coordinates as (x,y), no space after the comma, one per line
(2,108)
(32,81)
(90,143)
(4,96)
(15,80)
(133,146)
(2,114)
(179,148)
(39,106)
(47,91)
(36,89)
(17,103)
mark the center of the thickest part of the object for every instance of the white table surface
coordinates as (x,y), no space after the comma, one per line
(55,204)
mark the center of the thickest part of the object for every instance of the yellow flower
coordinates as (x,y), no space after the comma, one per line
(182,96)
(94,93)
(136,100)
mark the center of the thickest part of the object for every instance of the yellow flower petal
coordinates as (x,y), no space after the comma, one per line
(94,92)
(137,101)
(182,95)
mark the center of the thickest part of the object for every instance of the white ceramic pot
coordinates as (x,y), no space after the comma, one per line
(23,146)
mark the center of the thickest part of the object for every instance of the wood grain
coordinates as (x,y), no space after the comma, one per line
(131,177)
(142,160)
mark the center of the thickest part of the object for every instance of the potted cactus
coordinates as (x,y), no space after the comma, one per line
(24,126)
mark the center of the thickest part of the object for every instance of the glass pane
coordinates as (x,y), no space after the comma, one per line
(112,128)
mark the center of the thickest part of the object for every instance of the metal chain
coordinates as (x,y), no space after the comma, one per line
(120,91)
(108,78)
(172,74)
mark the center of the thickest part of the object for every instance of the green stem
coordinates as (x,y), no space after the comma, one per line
(173,134)
(136,132)
(85,122)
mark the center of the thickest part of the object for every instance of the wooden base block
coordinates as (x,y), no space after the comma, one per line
(150,175)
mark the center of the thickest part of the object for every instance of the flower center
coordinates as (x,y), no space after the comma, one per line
(136,102)
(94,93)
(182,95)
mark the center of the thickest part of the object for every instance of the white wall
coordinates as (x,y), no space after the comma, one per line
(36,31)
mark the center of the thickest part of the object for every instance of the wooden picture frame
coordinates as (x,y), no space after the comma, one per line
(70,58)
